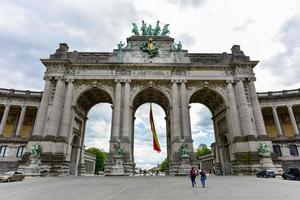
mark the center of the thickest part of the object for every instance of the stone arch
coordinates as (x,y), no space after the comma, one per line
(153,90)
(82,90)
(91,96)
(203,95)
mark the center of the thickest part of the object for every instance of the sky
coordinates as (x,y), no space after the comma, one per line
(267,31)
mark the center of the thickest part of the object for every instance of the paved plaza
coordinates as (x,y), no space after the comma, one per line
(143,188)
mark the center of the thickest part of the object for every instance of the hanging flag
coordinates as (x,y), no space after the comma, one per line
(156,145)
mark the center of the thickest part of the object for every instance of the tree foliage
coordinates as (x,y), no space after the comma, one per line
(100,158)
(164,165)
(202,150)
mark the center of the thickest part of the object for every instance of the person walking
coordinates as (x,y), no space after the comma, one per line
(193,176)
(202,177)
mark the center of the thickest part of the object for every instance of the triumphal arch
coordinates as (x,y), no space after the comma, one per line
(150,68)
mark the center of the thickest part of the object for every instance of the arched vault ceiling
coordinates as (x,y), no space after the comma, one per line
(209,98)
(92,97)
(151,95)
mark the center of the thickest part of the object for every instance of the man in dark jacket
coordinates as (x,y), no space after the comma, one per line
(193,175)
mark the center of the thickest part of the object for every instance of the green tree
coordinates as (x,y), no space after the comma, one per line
(202,150)
(100,158)
(164,165)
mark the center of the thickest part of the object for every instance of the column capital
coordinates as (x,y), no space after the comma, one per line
(70,80)
(229,82)
(23,106)
(124,80)
(289,106)
(251,79)
(240,79)
(59,78)
(274,107)
(175,81)
(48,78)
(7,105)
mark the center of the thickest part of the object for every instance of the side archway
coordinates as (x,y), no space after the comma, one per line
(215,101)
(83,103)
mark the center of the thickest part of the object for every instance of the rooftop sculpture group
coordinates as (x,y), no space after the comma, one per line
(148,30)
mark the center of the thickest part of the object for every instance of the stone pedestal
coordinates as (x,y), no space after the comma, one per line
(33,168)
(185,166)
(117,169)
(266,163)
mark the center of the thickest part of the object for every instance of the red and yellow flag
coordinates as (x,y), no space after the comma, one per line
(156,145)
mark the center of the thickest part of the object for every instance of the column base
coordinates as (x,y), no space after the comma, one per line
(297,136)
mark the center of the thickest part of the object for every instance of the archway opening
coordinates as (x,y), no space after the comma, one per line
(144,156)
(209,127)
(92,123)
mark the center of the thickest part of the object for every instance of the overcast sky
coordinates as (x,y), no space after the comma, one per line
(268,31)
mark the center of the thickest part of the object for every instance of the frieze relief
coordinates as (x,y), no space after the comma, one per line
(138,85)
(150,73)
(179,72)
(82,85)
(55,69)
(244,71)
(215,85)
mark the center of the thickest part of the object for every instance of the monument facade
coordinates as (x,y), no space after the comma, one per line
(150,68)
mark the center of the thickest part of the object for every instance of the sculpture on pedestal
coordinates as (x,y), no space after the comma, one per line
(35,153)
(264,150)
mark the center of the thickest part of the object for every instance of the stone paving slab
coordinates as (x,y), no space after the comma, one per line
(154,188)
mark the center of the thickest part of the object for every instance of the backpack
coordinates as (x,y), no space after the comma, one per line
(192,172)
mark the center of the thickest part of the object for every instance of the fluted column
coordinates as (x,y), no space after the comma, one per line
(4,119)
(277,122)
(67,112)
(116,112)
(21,120)
(126,109)
(184,112)
(56,110)
(234,118)
(176,111)
(293,120)
(42,111)
(244,109)
(258,117)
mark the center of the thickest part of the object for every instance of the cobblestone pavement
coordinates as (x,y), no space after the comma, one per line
(154,188)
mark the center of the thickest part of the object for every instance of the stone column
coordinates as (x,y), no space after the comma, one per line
(259,120)
(293,120)
(42,110)
(234,119)
(277,122)
(4,119)
(21,120)
(56,111)
(184,112)
(67,112)
(126,109)
(244,109)
(116,113)
(176,112)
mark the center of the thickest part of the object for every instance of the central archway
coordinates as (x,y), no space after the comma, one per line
(160,98)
